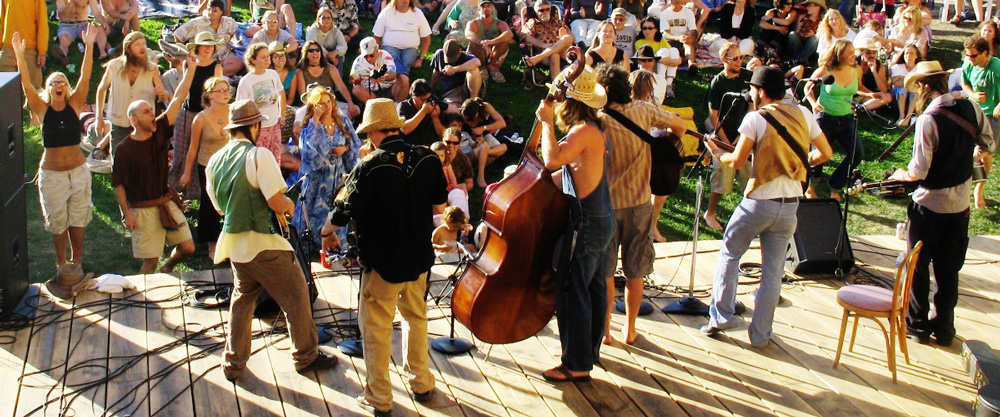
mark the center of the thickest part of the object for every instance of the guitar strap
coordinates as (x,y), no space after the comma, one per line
(638,131)
(801,153)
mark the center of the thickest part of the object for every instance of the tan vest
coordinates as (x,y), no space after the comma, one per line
(772,157)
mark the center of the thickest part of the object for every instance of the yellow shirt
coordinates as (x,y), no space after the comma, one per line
(30,18)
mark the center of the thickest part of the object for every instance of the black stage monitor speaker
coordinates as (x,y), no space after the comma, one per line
(11,136)
(13,252)
(816,247)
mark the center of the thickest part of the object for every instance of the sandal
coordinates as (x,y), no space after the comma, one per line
(525,64)
(561,374)
(498,77)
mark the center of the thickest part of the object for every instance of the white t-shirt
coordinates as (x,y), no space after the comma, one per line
(677,23)
(754,126)
(823,45)
(625,39)
(401,30)
(265,90)
(898,70)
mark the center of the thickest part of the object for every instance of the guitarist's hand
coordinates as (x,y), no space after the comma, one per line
(902,175)
(712,146)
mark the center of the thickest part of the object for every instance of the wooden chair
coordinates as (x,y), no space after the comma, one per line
(876,302)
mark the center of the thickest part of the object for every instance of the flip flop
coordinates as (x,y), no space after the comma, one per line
(564,375)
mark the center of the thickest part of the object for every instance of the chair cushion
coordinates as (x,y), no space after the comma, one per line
(865,297)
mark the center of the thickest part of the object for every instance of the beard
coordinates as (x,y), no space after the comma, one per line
(134,61)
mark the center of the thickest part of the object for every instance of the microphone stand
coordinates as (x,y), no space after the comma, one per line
(839,272)
(451,345)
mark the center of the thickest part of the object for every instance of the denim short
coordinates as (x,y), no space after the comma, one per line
(403,58)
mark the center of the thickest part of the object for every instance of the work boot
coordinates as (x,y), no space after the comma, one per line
(67,282)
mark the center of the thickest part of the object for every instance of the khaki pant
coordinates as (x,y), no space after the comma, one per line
(379,301)
(279,273)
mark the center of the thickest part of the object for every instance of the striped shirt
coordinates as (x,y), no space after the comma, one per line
(628,173)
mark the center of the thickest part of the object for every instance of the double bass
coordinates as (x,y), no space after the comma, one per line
(506,294)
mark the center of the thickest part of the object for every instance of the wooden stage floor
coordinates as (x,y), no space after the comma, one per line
(145,353)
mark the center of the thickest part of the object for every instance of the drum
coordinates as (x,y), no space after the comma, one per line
(978,173)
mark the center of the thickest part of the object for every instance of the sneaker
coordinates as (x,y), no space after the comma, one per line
(710,330)
(498,77)
(323,361)
(371,408)
(423,397)
(484,74)
(921,336)
(670,92)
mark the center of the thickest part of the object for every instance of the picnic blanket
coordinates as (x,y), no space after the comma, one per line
(167,8)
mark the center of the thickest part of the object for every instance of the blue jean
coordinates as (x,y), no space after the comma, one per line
(802,48)
(774,222)
(846,9)
(842,130)
(403,58)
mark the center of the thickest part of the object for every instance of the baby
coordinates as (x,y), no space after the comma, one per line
(448,235)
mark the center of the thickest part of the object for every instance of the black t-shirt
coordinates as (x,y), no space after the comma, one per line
(731,109)
(141,166)
(390,196)
(450,82)
(424,134)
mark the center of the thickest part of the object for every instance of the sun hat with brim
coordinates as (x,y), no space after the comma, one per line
(922,70)
(276,47)
(865,43)
(367,46)
(205,38)
(584,88)
(644,52)
(820,3)
(309,89)
(767,78)
(244,113)
(380,114)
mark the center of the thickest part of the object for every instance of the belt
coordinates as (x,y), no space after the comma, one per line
(73,23)
(784,199)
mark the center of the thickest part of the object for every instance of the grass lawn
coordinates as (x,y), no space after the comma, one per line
(108,247)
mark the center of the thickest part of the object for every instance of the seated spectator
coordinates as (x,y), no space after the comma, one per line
(489,40)
(478,142)
(904,99)
(460,164)
(373,73)
(458,73)
(874,75)
(345,17)
(427,6)
(456,16)
(547,38)
(831,29)
(625,34)
(271,33)
(736,23)
(281,10)
(660,87)
(404,33)
(988,31)
(635,10)
(314,69)
(925,13)
(206,4)
(423,115)
(457,194)
(776,25)
(802,42)
(668,58)
(223,27)
(329,37)
(909,31)
(679,26)
(121,15)
(604,49)
(286,72)
(584,17)
(73,21)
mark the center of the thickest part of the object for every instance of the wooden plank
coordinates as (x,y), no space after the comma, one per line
(87,359)
(169,395)
(13,351)
(128,393)
(212,394)
(45,363)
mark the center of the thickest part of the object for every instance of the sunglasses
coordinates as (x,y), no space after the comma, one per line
(452,142)
(370,56)
(545,10)
(310,50)
(735,58)
(57,82)
(224,91)
(973,56)
(649,28)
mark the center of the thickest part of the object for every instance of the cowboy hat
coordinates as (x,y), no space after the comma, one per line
(584,89)
(922,70)
(865,43)
(644,52)
(380,114)
(203,38)
(244,113)
(172,50)
(276,47)
(820,3)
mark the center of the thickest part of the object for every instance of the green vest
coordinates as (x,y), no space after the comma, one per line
(244,207)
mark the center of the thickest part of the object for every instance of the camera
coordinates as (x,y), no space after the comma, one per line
(440,102)
(379,72)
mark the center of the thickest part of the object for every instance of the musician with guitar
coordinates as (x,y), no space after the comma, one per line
(779,135)
(949,134)
(581,158)
(628,173)
(246,187)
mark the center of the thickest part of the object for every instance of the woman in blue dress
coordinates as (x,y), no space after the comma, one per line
(329,147)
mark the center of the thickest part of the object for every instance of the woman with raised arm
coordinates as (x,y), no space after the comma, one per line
(63,176)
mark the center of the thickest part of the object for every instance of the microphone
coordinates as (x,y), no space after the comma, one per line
(826,79)
(743,95)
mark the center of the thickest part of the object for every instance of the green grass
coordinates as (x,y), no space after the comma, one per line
(108,248)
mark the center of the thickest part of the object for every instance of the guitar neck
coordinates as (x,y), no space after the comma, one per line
(728,147)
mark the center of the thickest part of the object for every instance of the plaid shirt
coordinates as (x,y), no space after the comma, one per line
(628,173)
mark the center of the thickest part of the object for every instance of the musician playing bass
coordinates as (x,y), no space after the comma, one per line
(779,136)
(581,296)
(939,213)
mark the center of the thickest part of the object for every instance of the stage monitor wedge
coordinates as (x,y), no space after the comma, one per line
(816,247)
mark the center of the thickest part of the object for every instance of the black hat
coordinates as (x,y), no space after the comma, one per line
(644,52)
(767,78)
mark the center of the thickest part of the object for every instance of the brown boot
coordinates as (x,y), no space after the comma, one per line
(67,282)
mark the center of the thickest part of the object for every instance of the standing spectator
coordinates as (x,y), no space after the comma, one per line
(139,178)
(245,185)
(489,40)
(628,173)
(73,21)
(265,88)
(208,135)
(625,34)
(668,58)
(287,73)
(481,120)
(547,36)
(314,69)
(271,33)
(769,204)
(281,10)
(802,42)
(423,115)
(128,78)
(30,19)
(373,73)
(63,177)
(458,72)
(202,49)
(679,26)
(725,113)
(329,37)
(223,27)
(329,148)
(831,29)
(584,16)
(776,25)
(392,209)
(943,153)
(123,15)
(981,83)
(404,33)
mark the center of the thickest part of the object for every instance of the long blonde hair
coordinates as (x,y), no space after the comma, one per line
(825,31)
(313,98)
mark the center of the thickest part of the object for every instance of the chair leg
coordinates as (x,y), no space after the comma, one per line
(854,333)
(890,347)
(840,340)
(901,334)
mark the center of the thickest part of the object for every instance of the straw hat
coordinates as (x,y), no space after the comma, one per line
(865,43)
(276,47)
(922,70)
(820,3)
(202,38)
(380,114)
(244,113)
(584,89)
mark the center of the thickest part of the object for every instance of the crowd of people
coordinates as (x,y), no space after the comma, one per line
(300,116)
